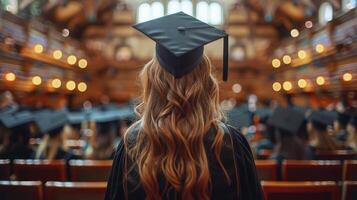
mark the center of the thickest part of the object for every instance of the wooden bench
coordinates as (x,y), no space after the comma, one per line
(350,170)
(5,169)
(75,190)
(90,170)
(40,170)
(13,190)
(266,169)
(283,190)
(311,170)
(349,190)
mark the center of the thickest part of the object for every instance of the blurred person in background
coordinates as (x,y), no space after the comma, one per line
(351,141)
(319,138)
(340,126)
(16,135)
(52,144)
(101,144)
(288,124)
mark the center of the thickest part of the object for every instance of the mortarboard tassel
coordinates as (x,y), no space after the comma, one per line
(225,58)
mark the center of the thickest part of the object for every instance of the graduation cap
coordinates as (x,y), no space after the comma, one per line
(76,117)
(287,119)
(12,120)
(322,118)
(179,42)
(238,118)
(51,122)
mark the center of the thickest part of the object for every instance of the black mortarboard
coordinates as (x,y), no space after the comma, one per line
(287,119)
(76,117)
(179,42)
(239,118)
(49,122)
(343,118)
(16,119)
(322,118)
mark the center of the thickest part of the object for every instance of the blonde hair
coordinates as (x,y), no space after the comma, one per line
(175,115)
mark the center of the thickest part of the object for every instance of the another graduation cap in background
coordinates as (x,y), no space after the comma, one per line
(287,119)
(12,120)
(321,119)
(239,118)
(179,42)
(52,123)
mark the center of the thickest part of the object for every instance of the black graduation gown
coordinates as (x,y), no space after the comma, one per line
(248,188)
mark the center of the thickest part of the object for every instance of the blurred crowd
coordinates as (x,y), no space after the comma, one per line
(86,133)
(93,132)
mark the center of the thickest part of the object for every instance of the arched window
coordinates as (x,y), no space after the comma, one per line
(215,13)
(348,4)
(202,11)
(173,6)
(147,12)
(186,7)
(325,13)
(144,12)
(211,13)
(157,10)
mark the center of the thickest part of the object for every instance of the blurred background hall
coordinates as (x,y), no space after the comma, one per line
(69,84)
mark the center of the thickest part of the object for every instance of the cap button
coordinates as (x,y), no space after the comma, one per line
(181,28)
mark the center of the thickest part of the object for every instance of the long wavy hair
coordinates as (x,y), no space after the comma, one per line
(175,115)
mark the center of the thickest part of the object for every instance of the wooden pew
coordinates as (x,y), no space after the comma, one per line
(90,170)
(335,155)
(40,170)
(75,190)
(266,169)
(13,190)
(350,170)
(311,170)
(349,190)
(5,169)
(283,190)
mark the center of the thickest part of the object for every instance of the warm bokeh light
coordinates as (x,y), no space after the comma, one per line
(36,80)
(38,48)
(287,85)
(82,63)
(308,24)
(57,54)
(82,86)
(65,32)
(320,80)
(10,76)
(347,76)
(294,33)
(71,59)
(56,83)
(302,54)
(71,85)
(319,48)
(276,63)
(276,86)
(237,88)
(302,83)
(286,59)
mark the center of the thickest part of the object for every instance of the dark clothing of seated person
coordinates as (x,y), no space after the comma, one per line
(340,126)
(15,135)
(179,148)
(351,142)
(288,124)
(319,138)
(52,144)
